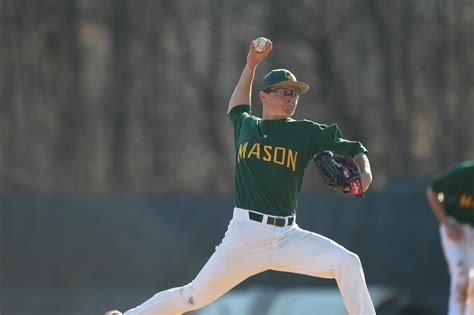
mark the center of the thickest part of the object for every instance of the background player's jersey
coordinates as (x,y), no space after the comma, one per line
(271,156)
(457,186)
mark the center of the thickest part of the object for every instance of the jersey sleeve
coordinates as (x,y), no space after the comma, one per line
(329,138)
(237,115)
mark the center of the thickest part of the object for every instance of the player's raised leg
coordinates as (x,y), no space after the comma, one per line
(308,253)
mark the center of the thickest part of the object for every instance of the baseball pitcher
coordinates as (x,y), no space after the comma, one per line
(271,155)
(451,197)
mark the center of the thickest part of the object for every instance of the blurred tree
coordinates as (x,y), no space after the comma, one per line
(130,96)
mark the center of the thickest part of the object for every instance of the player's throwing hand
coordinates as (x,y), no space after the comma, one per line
(254,56)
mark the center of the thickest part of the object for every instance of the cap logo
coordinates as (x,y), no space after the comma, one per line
(289,76)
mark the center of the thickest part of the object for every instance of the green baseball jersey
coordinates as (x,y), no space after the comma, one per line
(457,186)
(272,155)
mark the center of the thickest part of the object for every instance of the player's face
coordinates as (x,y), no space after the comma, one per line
(279,102)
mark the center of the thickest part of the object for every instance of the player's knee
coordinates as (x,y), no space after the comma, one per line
(350,262)
(350,265)
(353,260)
(195,299)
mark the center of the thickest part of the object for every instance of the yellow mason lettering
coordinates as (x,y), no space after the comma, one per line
(275,156)
(268,154)
(255,151)
(242,150)
(291,159)
(465,201)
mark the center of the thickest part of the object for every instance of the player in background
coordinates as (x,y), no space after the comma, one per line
(451,197)
(271,155)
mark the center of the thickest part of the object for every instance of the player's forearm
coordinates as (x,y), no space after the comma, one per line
(243,90)
(363,166)
(436,206)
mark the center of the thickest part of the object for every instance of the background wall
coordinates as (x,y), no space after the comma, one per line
(85,255)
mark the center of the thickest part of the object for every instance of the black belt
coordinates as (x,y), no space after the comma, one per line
(271,220)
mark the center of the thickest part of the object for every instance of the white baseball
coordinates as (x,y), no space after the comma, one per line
(260,44)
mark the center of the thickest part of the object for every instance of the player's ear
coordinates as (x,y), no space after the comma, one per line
(263,96)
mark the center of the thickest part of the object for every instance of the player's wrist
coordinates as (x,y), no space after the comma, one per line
(251,64)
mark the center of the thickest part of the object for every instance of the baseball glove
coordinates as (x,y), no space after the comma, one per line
(338,172)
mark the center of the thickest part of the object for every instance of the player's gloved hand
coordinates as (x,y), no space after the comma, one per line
(338,172)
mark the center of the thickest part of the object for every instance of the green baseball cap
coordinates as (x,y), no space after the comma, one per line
(283,77)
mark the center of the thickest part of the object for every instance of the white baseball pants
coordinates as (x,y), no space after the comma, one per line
(460,259)
(251,247)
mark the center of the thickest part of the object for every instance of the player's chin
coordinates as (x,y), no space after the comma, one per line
(289,109)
